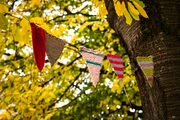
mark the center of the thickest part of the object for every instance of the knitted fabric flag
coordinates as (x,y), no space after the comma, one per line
(117,63)
(147,66)
(94,60)
(54,47)
(38,41)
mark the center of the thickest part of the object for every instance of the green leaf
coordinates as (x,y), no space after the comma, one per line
(140,3)
(3,22)
(2,1)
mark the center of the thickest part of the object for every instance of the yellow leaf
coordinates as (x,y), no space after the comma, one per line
(22,35)
(48,116)
(35,2)
(37,20)
(116,86)
(126,79)
(131,7)
(58,31)
(113,107)
(94,27)
(118,7)
(126,14)
(117,102)
(102,11)
(3,8)
(5,115)
(101,7)
(84,26)
(141,10)
(40,22)
(25,23)
(136,17)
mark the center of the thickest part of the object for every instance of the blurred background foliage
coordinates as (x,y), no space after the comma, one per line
(62,91)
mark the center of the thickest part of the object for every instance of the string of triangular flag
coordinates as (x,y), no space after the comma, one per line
(43,43)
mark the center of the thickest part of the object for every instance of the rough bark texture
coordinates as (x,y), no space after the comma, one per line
(157,36)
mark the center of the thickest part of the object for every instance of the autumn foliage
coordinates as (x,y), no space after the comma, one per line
(64,90)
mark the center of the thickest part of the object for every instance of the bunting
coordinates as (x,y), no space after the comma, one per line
(38,41)
(117,63)
(54,47)
(44,42)
(94,60)
(147,66)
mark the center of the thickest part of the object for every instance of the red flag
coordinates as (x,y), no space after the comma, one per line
(38,41)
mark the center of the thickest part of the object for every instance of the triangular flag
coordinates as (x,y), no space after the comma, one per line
(147,66)
(38,41)
(94,60)
(54,47)
(117,63)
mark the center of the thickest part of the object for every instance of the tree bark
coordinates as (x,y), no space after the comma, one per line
(157,36)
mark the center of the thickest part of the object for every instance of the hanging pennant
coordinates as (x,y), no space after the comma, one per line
(147,66)
(38,41)
(94,60)
(117,63)
(54,47)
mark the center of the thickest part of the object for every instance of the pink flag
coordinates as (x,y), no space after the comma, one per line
(117,63)
(94,60)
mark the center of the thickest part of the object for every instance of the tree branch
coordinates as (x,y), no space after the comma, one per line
(62,95)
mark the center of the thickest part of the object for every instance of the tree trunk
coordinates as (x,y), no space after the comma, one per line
(157,36)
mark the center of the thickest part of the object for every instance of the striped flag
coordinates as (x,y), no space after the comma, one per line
(94,60)
(147,66)
(117,63)
(54,47)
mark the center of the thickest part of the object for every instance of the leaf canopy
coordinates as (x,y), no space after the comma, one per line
(62,91)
